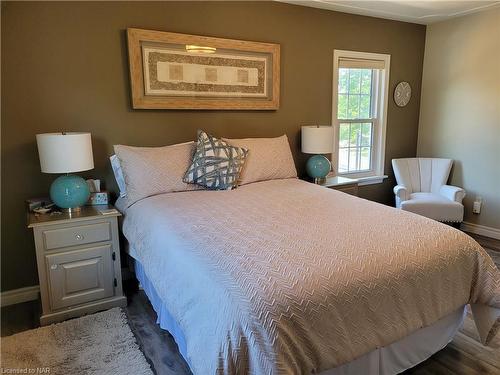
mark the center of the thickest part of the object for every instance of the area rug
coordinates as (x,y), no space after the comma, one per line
(101,343)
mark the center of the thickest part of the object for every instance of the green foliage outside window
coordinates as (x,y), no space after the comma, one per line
(354,100)
(354,103)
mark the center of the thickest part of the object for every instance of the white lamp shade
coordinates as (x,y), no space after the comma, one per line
(317,139)
(65,152)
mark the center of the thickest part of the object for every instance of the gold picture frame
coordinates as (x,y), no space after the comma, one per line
(181,71)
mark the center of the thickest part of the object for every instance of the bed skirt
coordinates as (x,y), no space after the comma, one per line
(392,359)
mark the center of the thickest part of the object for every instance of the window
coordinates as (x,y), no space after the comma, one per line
(360,87)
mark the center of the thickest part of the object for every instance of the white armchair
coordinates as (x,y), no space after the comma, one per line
(422,189)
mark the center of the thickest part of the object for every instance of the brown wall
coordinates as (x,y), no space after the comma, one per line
(64,67)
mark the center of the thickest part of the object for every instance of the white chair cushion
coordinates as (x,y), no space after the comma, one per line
(434,206)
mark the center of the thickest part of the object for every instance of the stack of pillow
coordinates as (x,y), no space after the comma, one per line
(210,163)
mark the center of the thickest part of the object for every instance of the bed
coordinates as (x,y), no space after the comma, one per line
(286,277)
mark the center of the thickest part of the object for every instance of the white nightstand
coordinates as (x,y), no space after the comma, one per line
(344,184)
(78,259)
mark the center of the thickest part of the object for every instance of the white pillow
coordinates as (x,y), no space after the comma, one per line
(117,171)
(154,170)
(267,159)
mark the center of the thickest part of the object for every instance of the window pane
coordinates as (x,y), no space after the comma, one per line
(355,135)
(344,135)
(366,81)
(356,103)
(354,81)
(364,107)
(343,80)
(353,107)
(365,158)
(354,93)
(343,160)
(366,134)
(355,147)
(353,159)
(342,107)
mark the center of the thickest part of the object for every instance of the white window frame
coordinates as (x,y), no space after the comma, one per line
(376,173)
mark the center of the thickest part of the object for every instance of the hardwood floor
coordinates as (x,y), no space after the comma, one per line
(463,356)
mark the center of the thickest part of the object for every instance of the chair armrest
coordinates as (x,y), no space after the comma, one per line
(453,193)
(401,192)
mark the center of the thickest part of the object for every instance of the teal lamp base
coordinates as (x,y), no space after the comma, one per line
(69,192)
(318,167)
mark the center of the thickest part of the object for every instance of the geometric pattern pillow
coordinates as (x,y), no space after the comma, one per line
(216,165)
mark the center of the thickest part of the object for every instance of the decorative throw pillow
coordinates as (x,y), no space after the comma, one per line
(268,159)
(216,164)
(154,170)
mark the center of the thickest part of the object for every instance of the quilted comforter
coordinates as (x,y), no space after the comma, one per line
(287,277)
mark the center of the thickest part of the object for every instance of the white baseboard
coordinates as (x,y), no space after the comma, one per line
(11,297)
(482,230)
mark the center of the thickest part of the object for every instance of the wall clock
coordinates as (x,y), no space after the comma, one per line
(402,94)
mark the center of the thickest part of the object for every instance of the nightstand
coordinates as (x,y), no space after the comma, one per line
(344,184)
(78,259)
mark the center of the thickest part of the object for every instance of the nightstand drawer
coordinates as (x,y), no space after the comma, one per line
(76,235)
(80,276)
(351,189)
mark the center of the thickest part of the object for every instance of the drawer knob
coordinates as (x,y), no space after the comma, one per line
(53,267)
(79,237)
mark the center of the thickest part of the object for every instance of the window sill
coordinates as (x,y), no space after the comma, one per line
(371,180)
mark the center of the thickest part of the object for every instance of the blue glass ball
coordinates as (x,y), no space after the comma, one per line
(69,191)
(318,166)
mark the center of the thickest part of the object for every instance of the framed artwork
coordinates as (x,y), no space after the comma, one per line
(180,71)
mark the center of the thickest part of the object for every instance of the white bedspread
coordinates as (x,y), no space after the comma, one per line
(287,277)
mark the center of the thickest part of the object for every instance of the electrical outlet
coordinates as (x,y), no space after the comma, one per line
(476,206)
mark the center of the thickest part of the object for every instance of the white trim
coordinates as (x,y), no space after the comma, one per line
(482,230)
(378,144)
(12,297)
(429,16)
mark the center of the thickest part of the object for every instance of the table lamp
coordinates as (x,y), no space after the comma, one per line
(317,140)
(66,153)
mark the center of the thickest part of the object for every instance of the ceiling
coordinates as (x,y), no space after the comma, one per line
(423,12)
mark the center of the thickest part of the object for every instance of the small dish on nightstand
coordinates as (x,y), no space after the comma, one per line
(42,210)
